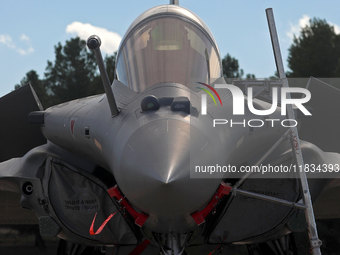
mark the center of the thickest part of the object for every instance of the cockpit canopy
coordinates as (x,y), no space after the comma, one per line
(167,44)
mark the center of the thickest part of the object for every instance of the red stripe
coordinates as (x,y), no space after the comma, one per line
(102,226)
(214,250)
(140,248)
(213,90)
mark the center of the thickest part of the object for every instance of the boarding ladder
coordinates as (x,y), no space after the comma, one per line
(292,132)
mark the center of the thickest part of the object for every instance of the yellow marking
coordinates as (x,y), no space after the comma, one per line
(98,145)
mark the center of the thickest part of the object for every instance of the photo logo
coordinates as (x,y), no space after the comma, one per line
(239,99)
(204,97)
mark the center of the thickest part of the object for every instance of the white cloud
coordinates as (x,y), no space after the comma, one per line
(304,21)
(24,38)
(110,40)
(295,29)
(8,41)
(25,52)
(336,27)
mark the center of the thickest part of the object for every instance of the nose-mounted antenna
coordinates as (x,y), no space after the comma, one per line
(94,42)
(175,2)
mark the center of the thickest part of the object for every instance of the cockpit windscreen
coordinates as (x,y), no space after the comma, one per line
(166,49)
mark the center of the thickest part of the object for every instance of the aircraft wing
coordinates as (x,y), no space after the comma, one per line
(325,123)
(18,136)
(325,119)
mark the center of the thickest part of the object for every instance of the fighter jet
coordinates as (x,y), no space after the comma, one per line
(172,159)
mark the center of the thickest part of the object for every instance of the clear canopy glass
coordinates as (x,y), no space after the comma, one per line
(166,49)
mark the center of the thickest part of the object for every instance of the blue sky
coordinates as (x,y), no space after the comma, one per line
(30,29)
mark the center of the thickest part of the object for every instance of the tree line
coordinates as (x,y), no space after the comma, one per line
(74,73)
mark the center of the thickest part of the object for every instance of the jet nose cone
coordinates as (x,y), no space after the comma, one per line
(155,170)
